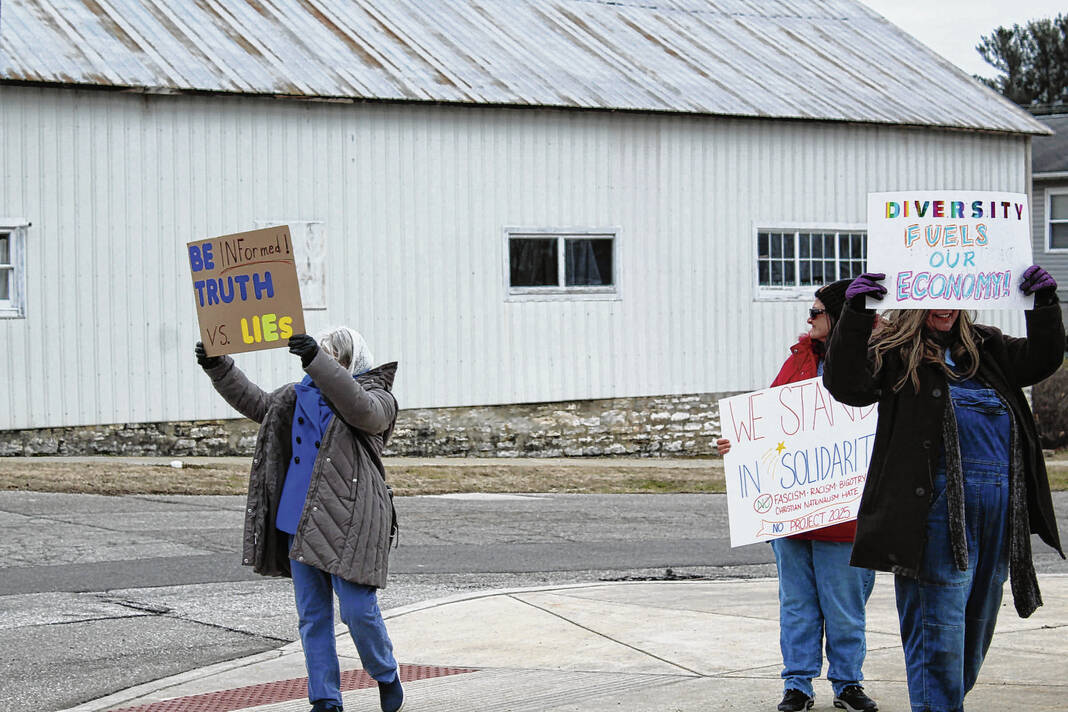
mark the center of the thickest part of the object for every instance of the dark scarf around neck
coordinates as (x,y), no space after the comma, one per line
(1023,581)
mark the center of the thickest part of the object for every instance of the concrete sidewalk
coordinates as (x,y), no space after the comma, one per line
(650,646)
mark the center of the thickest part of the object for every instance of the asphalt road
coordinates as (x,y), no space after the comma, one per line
(101,593)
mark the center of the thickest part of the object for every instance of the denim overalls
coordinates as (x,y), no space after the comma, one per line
(947,616)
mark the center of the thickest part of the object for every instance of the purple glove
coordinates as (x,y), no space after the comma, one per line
(866,285)
(1039,282)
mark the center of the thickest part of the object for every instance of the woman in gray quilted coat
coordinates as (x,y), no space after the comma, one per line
(319,509)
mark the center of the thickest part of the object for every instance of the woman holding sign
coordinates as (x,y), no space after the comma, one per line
(957,482)
(318,508)
(819,592)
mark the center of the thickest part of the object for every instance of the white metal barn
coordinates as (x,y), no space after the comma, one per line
(520,200)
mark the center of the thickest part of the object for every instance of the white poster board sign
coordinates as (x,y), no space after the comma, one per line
(955,249)
(798,460)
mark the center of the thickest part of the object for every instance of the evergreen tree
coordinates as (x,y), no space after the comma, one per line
(1032,61)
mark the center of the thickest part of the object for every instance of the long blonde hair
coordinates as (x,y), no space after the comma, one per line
(903,331)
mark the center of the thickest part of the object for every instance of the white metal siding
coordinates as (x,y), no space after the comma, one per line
(414,200)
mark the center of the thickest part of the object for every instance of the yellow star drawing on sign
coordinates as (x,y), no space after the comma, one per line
(782,446)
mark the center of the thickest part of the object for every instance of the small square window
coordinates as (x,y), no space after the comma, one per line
(533,262)
(12,269)
(6,270)
(1057,221)
(1058,207)
(1058,236)
(565,264)
(589,262)
(309,252)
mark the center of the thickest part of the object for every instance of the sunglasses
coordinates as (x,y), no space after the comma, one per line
(813,313)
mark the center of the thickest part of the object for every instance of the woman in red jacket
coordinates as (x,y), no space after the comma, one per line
(819,592)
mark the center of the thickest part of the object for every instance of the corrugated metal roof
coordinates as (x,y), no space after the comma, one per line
(803,59)
(1049,154)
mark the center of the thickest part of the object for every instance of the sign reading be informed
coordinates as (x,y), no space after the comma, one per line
(246,290)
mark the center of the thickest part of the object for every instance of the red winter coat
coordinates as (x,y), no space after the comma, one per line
(802,364)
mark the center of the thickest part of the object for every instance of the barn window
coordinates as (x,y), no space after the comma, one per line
(562,264)
(791,261)
(1057,220)
(12,268)
(309,252)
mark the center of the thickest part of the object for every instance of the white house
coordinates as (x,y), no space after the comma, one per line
(1049,165)
(522,201)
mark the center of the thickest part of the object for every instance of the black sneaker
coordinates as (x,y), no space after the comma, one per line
(853,699)
(796,701)
(324,706)
(391,695)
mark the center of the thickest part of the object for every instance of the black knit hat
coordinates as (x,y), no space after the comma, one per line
(833,297)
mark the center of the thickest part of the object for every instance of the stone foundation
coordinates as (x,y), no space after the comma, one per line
(669,426)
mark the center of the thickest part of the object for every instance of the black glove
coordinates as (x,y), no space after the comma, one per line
(203,359)
(304,346)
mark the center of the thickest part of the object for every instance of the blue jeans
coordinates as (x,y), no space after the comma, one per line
(358,604)
(820,593)
(947,616)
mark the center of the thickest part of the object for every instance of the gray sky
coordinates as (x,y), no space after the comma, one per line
(953,27)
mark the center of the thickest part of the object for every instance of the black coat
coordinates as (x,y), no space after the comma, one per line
(891,523)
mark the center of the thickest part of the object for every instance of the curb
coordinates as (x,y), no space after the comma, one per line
(129,694)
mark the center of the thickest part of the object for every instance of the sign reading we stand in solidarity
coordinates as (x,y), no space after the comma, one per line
(954,249)
(798,460)
(246,290)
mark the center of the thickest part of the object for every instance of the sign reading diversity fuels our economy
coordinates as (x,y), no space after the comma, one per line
(798,460)
(952,249)
(246,290)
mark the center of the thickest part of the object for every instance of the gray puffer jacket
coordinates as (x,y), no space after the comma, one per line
(345,528)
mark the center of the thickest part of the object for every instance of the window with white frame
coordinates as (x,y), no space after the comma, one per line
(790,261)
(309,253)
(562,264)
(1057,219)
(12,270)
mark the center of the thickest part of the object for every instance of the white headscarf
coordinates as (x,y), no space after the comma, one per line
(347,347)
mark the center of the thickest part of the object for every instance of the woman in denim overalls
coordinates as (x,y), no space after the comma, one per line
(956,484)
(948,614)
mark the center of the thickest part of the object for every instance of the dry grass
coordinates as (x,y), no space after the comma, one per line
(1058,472)
(578,478)
(117,477)
(442,477)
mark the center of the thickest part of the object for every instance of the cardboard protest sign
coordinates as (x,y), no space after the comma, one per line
(798,460)
(951,249)
(246,290)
